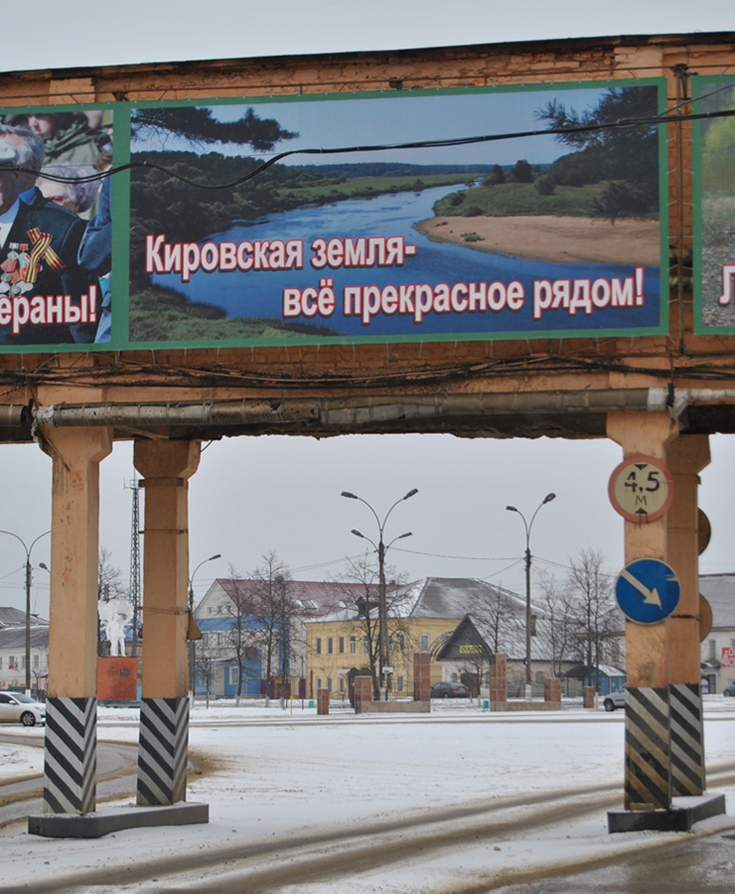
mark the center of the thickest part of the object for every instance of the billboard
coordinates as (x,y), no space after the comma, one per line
(415,215)
(714,206)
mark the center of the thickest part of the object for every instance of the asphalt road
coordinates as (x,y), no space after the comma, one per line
(116,768)
(699,866)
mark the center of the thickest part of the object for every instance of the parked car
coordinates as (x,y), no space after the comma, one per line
(729,689)
(614,700)
(15,707)
(450,690)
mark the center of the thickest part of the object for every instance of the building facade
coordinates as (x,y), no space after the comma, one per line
(13,650)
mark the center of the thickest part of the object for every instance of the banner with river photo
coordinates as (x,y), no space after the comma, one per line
(518,237)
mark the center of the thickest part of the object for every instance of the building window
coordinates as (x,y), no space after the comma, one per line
(318,683)
(342,684)
(401,643)
(353,645)
(341,645)
(365,645)
(1,662)
(233,676)
(712,650)
(329,684)
(424,642)
(454,677)
(318,648)
(390,643)
(330,645)
(36,660)
(399,683)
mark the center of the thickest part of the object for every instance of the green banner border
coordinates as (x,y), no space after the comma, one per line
(121,226)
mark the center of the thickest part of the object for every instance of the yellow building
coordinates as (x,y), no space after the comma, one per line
(421,617)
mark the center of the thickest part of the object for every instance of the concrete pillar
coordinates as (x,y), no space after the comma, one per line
(70,763)
(363,690)
(552,690)
(322,701)
(498,681)
(166,467)
(421,677)
(685,457)
(647,733)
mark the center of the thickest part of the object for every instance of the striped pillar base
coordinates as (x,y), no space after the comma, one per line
(70,760)
(163,751)
(647,758)
(687,741)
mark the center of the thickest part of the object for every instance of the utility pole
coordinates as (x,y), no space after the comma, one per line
(135,562)
(528,525)
(381,549)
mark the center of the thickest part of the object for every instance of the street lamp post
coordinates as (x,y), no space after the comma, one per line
(381,549)
(192,644)
(29,579)
(528,525)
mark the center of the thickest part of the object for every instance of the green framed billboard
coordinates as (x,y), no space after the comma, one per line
(402,216)
(714,206)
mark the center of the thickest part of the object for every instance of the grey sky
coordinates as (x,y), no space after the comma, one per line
(253,495)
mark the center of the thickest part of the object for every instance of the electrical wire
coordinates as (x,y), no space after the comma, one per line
(622,123)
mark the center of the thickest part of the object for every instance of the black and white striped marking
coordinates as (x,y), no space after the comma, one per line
(687,741)
(163,750)
(70,761)
(647,755)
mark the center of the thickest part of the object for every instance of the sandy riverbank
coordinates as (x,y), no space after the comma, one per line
(558,239)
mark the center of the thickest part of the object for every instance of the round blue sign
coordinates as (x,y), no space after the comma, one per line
(647,591)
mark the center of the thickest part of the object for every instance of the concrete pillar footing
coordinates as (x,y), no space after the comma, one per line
(95,825)
(680,817)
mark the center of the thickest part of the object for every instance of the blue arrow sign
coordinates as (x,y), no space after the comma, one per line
(647,591)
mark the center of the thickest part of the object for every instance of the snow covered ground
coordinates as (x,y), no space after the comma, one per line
(272,776)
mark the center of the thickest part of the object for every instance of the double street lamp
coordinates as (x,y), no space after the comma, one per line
(29,579)
(381,549)
(528,525)
(192,644)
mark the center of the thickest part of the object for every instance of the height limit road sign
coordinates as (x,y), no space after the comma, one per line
(641,489)
(647,591)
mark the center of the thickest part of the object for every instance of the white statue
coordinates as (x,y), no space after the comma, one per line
(114,615)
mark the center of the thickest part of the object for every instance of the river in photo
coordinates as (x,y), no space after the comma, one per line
(258,294)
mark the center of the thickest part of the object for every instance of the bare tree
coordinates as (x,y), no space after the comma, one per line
(560,627)
(501,618)
(273,607)
(109,579)
(240,635)
(595,611)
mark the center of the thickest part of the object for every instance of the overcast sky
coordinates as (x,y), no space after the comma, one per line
(254,495)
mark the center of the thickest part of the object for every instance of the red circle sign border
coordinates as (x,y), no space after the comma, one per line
(649,517)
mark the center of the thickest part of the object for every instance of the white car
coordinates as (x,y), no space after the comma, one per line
(614,700)
(18,708)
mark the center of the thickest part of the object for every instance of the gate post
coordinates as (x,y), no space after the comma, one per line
(685,457)
(70,758)
(166,467)
(647,732)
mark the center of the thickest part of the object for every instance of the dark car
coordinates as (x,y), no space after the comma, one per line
(449,690)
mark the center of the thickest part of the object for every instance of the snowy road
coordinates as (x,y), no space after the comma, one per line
(454,803)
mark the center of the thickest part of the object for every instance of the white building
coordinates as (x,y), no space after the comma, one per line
(718,648)
(13,650)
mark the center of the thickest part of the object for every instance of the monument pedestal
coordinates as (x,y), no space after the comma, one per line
(117,679)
